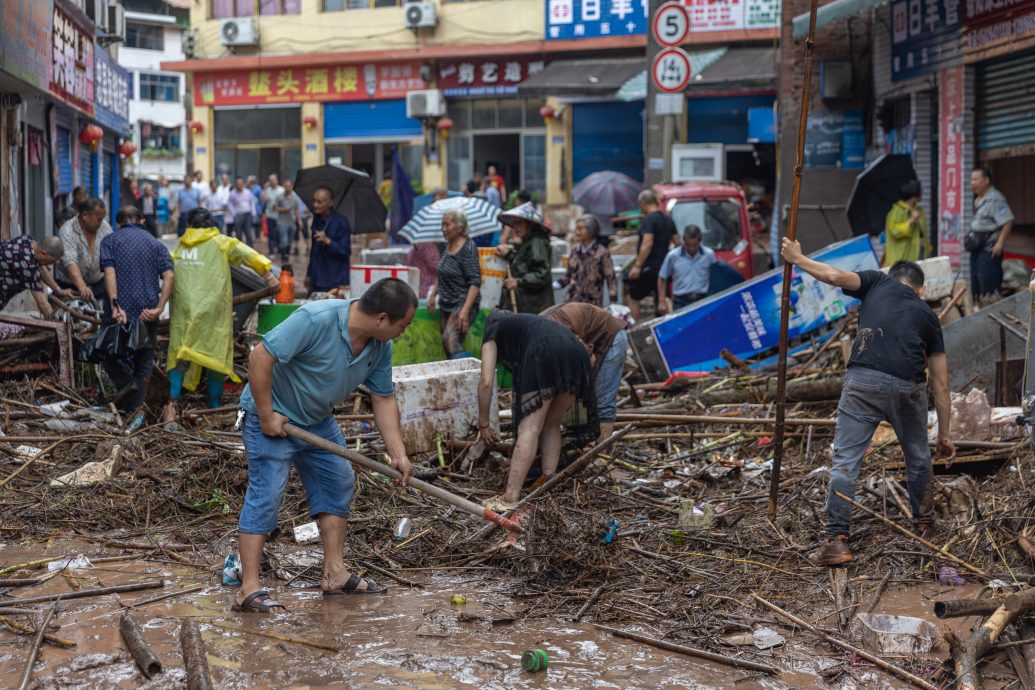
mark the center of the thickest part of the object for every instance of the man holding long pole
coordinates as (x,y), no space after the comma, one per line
(305,366)
(898,341)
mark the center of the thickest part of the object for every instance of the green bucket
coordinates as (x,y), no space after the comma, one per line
(272,315)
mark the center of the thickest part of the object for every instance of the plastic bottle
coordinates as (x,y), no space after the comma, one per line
(232,571)
(535,660)
(287,286)
(403,528)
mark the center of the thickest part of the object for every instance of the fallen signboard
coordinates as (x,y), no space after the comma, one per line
(745,318)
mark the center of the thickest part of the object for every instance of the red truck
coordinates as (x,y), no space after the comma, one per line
(720,209)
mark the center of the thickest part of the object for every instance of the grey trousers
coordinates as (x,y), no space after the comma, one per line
(868,398)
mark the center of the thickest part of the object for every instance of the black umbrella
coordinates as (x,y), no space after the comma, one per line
(355,196)
(876,190)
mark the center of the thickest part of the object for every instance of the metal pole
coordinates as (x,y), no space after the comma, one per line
(785,295)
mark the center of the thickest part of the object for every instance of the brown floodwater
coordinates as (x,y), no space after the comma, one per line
(405,639)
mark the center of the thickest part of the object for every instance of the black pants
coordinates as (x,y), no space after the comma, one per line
(986,274)
(133,369)
(680,301)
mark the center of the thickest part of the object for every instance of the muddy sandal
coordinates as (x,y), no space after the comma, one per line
(257,602)
(349,588)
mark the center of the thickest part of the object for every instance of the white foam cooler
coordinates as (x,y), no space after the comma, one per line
(364,275)
(439,398)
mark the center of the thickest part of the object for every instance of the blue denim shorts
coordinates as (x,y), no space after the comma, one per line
(328,479)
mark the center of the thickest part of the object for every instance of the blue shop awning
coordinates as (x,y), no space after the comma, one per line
(831,12)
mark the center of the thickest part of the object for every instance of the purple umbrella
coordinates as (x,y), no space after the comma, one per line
(607,193)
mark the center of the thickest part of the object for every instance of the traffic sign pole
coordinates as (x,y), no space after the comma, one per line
(668,74)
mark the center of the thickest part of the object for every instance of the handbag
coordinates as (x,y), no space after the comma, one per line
(975,241)
(115,341)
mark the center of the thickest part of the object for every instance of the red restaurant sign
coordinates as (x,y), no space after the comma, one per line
(349,82)
(950,182)
(71,71)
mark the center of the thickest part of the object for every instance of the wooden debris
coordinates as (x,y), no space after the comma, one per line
(691,651)
(194,659)
(133,636)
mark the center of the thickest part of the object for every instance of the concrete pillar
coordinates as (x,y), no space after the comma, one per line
(203,141)
(312,137)
(435,171)
(558,154)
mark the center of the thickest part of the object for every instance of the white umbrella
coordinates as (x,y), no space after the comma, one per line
(426,224)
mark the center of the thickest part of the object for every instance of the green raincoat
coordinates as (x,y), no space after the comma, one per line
(201,319)
(530,266)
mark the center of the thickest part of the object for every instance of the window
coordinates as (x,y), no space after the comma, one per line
(270,7)
(157,141)
(257,124)
(225,9)
(719,221)
(145,37)
(159,87)
(333,5)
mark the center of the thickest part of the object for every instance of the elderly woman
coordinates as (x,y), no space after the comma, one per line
(457,280)
(589,266)
(551,370)
(530,283)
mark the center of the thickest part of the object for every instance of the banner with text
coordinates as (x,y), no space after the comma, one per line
(924,37)
(486,76)
(71,72)
(951,184)
(574,19)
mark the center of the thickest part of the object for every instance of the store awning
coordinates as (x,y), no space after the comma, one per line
(831,12)
(721,69)
(574,78)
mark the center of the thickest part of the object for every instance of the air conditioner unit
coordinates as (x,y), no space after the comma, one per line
(420,15)
(117,21)
(429,103)
(242,31)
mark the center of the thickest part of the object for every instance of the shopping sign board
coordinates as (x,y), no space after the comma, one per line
(575,19)
(951,184)
(733,15)
(925,36)
(491,76)
(671,70)
(995,24)
(71,75)
(745,319)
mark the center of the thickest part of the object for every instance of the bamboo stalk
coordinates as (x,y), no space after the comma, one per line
(35,649)
(133,636)
(83,593)
(387,573)
(194,659)
(690,651)
(967,653)
(712,419)
(279,638)
(26,630)
(163,597)
(961,608)
(875,660)
(589,602)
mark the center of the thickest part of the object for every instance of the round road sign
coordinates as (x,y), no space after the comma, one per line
(671,24)
(671,70)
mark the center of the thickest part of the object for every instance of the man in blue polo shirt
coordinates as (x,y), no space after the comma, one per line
(305,366)
(689,266)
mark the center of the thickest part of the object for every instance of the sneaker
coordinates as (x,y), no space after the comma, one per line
(834,552)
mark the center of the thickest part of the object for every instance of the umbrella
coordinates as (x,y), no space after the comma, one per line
(355,196)
(607,193)
(426,224)
(876,191)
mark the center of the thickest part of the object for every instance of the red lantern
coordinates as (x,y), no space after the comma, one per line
(196,127)
(91,135)
(127,149)
(444,125)
(309,121)
(547,113)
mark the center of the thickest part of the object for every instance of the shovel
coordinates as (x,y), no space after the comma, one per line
(430,489)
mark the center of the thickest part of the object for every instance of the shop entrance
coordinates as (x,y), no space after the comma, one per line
(502,151)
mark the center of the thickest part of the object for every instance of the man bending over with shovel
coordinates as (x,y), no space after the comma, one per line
(306,365)
(898,341)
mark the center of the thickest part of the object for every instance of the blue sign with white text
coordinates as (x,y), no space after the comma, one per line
(925,36)
(568,19)
(111,93)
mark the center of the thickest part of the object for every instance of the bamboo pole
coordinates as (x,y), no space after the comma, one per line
(83,593)
(133,636)
(35,649)
(785,294)
(967,653)
(194,659)
(690,651)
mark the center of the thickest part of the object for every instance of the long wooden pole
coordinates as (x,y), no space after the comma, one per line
(785,294)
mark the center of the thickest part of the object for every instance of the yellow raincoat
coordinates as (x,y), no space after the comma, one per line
(201,320)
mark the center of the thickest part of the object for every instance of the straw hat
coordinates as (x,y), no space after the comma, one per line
(526,211)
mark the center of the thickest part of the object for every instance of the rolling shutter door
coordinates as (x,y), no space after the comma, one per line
(85,169)
(369,121)
(63,147)
(1006,103)
(607,136)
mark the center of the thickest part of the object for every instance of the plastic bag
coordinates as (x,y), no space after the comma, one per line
(115,341)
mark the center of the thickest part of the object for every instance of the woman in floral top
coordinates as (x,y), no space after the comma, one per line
(589,266)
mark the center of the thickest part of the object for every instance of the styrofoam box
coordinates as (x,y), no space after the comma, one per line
(937,277)
(390,256)
(439,398)
(363,276)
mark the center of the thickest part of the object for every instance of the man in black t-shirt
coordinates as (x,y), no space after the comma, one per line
(899,338)
(656,233)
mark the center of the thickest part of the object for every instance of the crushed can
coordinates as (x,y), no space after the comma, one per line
(232,571)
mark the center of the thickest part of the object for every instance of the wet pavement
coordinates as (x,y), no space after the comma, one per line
(405,639)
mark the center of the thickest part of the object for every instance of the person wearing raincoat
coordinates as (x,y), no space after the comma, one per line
(530,280)
(201,324)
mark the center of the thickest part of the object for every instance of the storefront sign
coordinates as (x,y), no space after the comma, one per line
(72,62)
(29,57)
(951,183)
(358,82)
(111,86)
(992,22)
(925,36)
(567,19)
(836,139)
(486,76)
(732,15)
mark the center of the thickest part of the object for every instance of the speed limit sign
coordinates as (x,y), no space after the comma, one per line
(671,24)
(671,70)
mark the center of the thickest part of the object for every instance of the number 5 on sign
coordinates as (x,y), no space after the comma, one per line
(671,24)
(671,70)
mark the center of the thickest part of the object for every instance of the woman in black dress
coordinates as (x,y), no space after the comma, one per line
(551,370)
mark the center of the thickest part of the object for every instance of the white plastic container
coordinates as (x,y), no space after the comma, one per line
(363,276)
(309,532)
(883,633)
(439,398)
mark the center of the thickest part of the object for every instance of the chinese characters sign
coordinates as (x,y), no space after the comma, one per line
(733,15)
(950,156)
(71,71)
(992,22)
(111,86)
(486,76)
(360,82)
(924,36)
(27,58)
(566,19)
